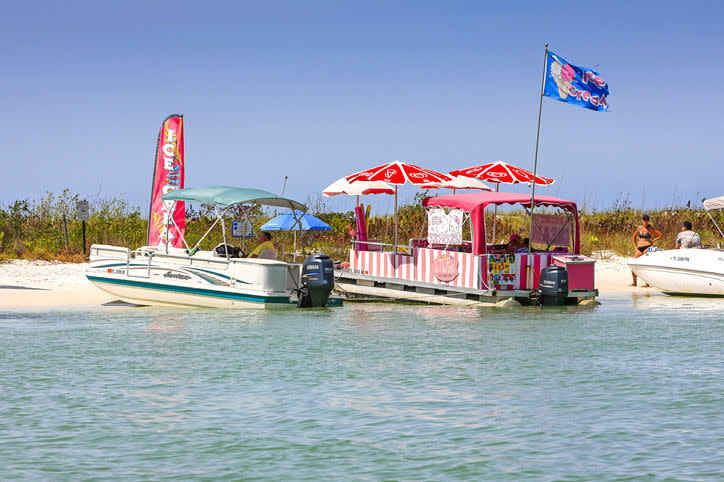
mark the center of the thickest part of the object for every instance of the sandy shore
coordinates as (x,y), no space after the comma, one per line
(47,283)
(41,283)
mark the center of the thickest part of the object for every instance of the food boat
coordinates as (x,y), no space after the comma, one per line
(692,271)
(167,275)
(447,269)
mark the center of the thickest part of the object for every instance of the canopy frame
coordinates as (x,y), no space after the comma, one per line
(714,203)
(476,203)
(226,197)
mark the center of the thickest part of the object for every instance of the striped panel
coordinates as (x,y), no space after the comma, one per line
(418,267)
(466,278)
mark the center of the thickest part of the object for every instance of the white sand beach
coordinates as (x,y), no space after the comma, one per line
(26,283)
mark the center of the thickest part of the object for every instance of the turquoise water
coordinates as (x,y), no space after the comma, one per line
(632,389)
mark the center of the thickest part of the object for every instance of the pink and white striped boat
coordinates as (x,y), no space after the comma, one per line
(474,271)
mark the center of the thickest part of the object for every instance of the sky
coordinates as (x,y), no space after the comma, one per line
(317,90)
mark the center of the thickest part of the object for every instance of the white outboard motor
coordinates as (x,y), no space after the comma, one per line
(317,281)
(553,286)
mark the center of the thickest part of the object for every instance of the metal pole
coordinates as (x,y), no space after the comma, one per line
(495,215)
(535,165)
(223,229)
(395,218)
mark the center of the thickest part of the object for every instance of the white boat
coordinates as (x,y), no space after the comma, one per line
(167,275)
(692,271)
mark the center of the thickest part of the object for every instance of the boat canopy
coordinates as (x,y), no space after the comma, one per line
(714,203)
(225,196)
(475,204)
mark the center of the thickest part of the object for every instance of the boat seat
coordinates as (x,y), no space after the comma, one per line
(268,254)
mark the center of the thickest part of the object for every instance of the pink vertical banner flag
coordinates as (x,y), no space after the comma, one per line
(168,174)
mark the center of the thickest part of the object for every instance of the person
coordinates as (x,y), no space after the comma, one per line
(644,238)
(265,242)
(687,238)
(524,246)
(515,243)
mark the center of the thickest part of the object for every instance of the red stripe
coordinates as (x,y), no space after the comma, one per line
(523,282)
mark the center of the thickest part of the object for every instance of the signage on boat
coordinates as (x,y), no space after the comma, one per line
(242,229)
(83,210)
(501,269)
(445,267)
(170,274)
(445,228)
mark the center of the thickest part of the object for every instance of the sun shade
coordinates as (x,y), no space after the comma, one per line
(226,196)
(475,204)
(714,203)
(288,222)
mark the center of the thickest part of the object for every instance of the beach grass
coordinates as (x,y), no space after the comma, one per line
(48,228)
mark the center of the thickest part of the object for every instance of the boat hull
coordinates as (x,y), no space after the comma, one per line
(150,293)
(692,272)
(203,281)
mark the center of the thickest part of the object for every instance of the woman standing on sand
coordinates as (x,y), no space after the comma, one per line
(644,237)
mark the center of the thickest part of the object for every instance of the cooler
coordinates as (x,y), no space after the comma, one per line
(580,270)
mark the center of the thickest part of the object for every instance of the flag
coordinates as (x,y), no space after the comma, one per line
(168,174)
(575,85)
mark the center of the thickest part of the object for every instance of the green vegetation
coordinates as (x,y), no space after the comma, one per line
(37,229)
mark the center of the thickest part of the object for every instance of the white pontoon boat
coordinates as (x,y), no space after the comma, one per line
(168,275)
(693,271)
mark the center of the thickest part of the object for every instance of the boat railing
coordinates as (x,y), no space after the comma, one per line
(378,246)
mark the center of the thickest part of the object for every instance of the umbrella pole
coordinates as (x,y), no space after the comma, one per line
(495,214)
(295,246)
(395,219)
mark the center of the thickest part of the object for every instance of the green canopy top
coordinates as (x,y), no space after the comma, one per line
(226,196)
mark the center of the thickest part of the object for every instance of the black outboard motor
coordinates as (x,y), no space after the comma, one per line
(553,286)
(317,281)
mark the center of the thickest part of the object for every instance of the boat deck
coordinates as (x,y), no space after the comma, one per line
(362,287)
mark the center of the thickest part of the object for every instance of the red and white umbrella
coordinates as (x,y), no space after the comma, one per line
(501,172)
(458,182)
(399,173)
(362,188)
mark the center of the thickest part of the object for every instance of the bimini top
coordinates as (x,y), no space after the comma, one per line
(469,201)
(226,196)
(475,204)
(714,203)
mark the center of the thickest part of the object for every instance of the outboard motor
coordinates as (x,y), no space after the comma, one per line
(553,286)
(317,281)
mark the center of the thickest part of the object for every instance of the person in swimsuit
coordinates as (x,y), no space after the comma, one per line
(644,237)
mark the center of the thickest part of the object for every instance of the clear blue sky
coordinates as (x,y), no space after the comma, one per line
(318,90)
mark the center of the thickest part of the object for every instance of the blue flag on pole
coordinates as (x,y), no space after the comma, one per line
(575,85)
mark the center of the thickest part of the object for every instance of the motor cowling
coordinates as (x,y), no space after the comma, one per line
(317,281)
(553,286)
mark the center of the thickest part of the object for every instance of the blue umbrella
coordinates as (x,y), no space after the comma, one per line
(287,222)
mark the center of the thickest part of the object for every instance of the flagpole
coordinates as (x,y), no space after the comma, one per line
(535,165)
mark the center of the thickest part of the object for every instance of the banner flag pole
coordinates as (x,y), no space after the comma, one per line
(535,167)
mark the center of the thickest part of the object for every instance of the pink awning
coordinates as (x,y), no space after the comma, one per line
(475,204)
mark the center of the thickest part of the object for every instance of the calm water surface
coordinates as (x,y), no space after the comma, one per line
(632,389)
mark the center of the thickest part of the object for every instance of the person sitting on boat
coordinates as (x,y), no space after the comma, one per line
(687,238)
(265,243)
(644,238)
(524,248)
(515,243)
